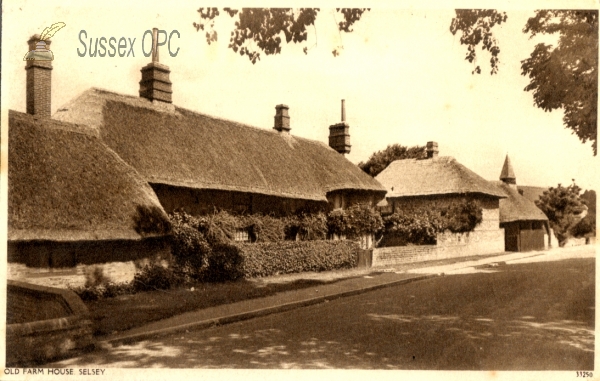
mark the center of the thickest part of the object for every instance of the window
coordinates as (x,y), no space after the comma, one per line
(241,235)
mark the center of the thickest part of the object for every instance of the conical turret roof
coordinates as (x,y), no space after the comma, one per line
(507,171)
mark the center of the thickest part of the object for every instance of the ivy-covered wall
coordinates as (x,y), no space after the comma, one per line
(490,206)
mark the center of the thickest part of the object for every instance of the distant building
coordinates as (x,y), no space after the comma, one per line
(436,182)
(526,227)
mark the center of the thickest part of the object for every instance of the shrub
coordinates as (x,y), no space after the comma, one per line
(462,217)
(190,250)
(154,277)
(585,227)
(223,263)
(264,228)
(264,259)
(94,276)
(420,227)
(107,290)
(357,220)
(410,228)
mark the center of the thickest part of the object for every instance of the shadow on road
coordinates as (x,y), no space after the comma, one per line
(523,317)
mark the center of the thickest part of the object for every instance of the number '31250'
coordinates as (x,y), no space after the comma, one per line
(585,374)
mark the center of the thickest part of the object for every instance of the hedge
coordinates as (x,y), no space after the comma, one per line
(264,259)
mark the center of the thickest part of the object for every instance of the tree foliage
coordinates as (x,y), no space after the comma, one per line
(564,76)
(476,27)
(381,159)
(563,207)
(261,29)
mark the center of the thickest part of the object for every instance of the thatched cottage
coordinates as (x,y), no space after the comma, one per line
(436,182)
(197,162)
(71,199)
(526,227)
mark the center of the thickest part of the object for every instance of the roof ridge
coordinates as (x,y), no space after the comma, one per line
(199,113)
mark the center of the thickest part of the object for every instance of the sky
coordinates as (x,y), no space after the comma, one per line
(402,73)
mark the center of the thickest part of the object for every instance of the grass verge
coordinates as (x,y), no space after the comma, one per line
(112,315)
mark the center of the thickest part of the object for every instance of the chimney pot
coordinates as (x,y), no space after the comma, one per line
(155,84)
(282,119)
(432,150)
(38,82)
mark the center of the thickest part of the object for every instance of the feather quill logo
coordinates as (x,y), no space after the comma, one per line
(41,51)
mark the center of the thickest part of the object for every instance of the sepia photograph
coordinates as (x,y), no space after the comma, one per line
(391,191)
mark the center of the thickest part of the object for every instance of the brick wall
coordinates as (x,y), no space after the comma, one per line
(386,256)
(37,338)
(477,242)
(450,245)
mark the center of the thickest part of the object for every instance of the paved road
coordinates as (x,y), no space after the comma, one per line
(534,316)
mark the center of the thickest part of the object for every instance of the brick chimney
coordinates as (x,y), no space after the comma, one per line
(432,150)
(339,135)
(155,84)
(282,119)
(39,82)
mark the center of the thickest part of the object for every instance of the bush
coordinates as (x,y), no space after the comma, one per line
(154,277)
(420,227)
(585,227)
(264,228)
(190,250)
(94,276)
(223,263)
(264,259)
(357,220)
(410,228)
(107,290)
(462,217)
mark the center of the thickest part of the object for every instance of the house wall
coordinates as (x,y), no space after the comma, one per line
(55,264)
(345,198)
(486,238)
(199,201)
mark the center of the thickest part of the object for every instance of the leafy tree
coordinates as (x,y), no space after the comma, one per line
(588,224)
(381,159)
(564,76)
(563,207)
(476,27)
(260,29)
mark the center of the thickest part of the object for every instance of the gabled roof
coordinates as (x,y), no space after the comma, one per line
(435,176)
(175,146)
(65,185)
(507,170)
(516,207)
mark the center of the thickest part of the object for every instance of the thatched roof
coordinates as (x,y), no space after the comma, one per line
(66,185)
(516,207)
(532,193)
(435,176)
(175,146)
